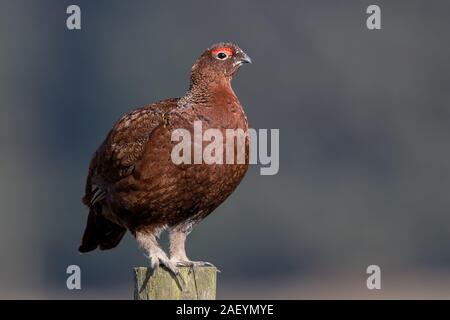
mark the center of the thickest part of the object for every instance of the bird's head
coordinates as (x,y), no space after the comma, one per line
(219,62)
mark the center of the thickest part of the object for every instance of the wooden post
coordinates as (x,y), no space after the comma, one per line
(199,284)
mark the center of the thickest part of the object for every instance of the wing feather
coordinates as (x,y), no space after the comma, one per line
(123,147)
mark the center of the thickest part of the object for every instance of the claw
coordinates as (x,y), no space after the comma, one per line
(174,272)
(161,260)
(193,264)
(181,281)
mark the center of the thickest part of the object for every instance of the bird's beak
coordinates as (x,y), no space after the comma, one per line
(240,59)
(244,58)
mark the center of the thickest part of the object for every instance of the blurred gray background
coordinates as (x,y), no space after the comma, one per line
(364,119)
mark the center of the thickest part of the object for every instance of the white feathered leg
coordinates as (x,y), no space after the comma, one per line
(177,236)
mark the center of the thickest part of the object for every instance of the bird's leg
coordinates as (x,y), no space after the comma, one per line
(178,256)
(177,245)
(149,241)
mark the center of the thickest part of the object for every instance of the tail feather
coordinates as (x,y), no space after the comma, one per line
(100,232)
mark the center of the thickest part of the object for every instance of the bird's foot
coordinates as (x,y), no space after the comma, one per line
(161,259)
(192,264)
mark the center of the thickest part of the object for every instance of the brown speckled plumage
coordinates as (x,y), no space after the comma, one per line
(132,182)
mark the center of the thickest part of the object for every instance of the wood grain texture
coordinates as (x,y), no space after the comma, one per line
(200,284)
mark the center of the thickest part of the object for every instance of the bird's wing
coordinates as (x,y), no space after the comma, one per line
(123,147)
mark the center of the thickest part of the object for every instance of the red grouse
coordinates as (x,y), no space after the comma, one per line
(133,184)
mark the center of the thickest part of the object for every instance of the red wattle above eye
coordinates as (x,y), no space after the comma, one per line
(225,50)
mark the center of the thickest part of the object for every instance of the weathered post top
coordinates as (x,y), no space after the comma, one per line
(160,284)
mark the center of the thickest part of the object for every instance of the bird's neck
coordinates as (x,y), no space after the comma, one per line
(207,92)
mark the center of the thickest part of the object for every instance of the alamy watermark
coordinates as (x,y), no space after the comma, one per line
(73,21)
(73,281)
(373,22)
(229,146)
(374,280)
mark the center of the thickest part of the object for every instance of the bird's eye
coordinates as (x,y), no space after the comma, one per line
(222,55)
